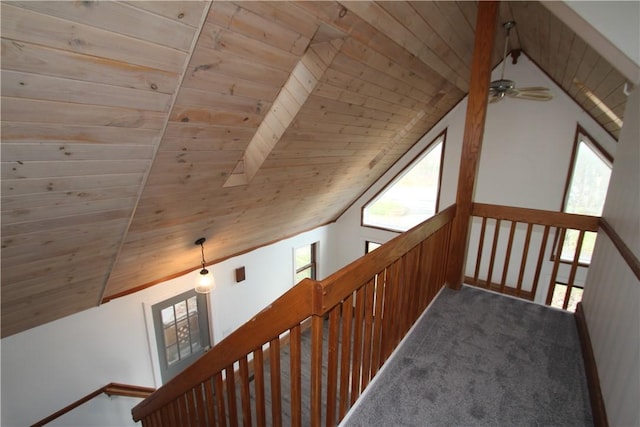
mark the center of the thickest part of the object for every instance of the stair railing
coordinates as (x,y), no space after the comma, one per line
(364,309)
(512,250)
(111,389)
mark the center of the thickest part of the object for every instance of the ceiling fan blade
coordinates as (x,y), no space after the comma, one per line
(533,89)
(532,95)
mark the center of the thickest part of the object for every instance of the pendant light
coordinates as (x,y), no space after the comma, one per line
(205,282)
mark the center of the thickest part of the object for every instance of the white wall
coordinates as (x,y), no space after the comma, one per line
(524,161)
(612,296)
(48,367)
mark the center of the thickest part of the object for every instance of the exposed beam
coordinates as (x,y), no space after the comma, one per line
(472,139)
(295,92)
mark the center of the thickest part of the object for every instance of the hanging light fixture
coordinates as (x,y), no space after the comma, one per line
(205,283)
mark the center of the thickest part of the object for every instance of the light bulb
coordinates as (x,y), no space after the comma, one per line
(205,282)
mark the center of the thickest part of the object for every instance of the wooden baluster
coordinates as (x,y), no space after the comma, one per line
(357,347)
(345,355)
(574,268)
(407,293)
(245,393)
(402,290)
(153,420)
(494,247)
(436,274)
(523,261)
(541,257)
(258,374)
(332,366)
(395,304)
(376,345)
(445,257)
(296,376)
(167,414)
(200,402)
(556,265)
(231,396)
(183,411)
(387,316)
(175,411)
(413,299)
(423,273)
(276,390)
(191,408)
(507,257)
(210,403)
(368,327)
(480,250)
(222,418)
(317,326)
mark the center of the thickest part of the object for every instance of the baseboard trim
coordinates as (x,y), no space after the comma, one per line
(593,382)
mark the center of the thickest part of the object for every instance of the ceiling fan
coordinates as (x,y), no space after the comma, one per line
(499,89)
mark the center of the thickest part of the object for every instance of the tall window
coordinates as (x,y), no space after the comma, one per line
(412,196)
(586,191)
(305,262)
(182,331)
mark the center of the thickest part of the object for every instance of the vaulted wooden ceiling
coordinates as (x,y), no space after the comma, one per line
(130,129)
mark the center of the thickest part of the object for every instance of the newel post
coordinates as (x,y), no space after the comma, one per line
(472,140)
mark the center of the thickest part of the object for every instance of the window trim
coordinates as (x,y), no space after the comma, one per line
(597,148)
(313,264)
(165,370)
(405,169)
(600,152)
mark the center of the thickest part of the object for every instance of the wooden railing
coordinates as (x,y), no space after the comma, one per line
(514,248)
(111,389)
(364,310)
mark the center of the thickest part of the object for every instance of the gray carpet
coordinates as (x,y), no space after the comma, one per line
(481,359)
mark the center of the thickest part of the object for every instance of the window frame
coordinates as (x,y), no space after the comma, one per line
(168,371)
(442,135)
(313,263)
(597,148)
(367,248)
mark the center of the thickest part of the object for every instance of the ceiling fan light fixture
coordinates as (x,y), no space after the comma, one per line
(205,282)
(499,89)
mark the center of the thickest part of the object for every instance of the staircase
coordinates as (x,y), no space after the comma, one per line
(353,320)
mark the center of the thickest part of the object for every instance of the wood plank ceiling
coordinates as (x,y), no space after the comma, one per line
(123,121)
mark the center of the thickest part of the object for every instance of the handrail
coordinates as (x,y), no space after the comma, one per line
(524,284)
(111,389)
(537,216)
(184,396)
(627,254)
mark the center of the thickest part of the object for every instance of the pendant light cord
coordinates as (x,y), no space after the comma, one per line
(202,248)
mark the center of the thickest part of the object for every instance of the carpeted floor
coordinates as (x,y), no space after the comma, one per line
(481,359)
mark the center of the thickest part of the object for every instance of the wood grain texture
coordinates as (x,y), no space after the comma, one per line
(311,301)
(128,117)
(472,139)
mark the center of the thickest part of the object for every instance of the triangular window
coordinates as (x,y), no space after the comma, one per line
(586,191)
(412,196)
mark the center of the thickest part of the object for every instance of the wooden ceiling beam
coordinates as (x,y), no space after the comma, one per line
(294,94)
(472,140)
